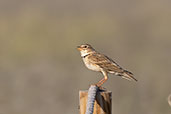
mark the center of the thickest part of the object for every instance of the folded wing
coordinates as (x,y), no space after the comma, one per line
(110,66)
(105,63)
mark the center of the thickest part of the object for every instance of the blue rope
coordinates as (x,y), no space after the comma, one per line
(91,99)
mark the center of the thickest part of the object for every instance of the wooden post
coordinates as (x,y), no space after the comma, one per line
(102,105)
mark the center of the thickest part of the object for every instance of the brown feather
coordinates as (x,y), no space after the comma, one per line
(104,62)
(109,65)
(128,75)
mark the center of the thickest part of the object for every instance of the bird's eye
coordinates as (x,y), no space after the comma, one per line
(85,46)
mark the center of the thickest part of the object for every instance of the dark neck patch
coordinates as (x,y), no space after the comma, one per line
(85,56)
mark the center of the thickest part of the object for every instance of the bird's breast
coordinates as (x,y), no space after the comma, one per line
(91,66)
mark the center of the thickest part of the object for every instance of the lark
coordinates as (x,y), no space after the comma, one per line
(96,61)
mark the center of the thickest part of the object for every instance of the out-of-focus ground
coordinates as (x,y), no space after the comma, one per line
(41,72)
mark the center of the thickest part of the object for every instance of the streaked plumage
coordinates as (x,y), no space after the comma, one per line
(100,62)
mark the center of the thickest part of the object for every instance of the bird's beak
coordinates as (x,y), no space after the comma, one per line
(79,48)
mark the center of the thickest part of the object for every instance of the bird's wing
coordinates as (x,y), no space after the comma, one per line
(105,63)
(109,65)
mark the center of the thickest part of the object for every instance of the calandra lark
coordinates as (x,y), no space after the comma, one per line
(99,62)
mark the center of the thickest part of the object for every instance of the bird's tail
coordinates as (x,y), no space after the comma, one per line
(128,75)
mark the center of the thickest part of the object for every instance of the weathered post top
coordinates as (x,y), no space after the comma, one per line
(102,104)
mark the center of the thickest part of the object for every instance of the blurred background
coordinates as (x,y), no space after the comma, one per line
(41,72)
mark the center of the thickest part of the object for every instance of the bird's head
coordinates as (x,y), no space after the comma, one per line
(85,49)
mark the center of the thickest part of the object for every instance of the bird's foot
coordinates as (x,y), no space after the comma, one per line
(102,88)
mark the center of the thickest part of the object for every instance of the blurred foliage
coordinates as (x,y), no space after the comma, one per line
(41,71)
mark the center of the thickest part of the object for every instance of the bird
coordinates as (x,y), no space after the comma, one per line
(99,62)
